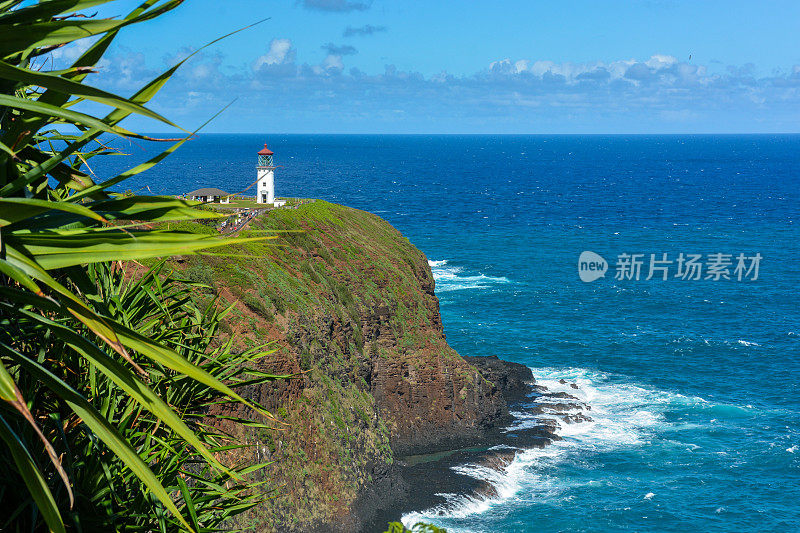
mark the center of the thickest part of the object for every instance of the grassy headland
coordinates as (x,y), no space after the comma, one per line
(349,304)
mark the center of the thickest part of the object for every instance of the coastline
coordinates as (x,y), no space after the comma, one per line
(433,484)
(386,421)
(387,418)
(350,305)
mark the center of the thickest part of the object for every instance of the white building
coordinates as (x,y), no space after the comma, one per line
(265,188)
(210,194)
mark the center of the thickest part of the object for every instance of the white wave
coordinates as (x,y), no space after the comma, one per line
(507,483)
(709,342)
(451,278)
(622,415)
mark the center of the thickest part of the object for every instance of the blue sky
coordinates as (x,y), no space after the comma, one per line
(380,66)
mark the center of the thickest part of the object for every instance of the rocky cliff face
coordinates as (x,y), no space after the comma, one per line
(513,379)
(349,306)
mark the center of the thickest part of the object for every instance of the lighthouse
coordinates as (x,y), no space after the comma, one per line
(265,188)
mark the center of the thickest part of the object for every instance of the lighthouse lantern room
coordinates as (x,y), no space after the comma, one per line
(265,188)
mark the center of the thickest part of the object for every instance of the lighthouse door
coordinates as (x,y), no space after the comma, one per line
(263,197)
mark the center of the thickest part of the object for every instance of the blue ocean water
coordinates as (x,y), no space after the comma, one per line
(693,383)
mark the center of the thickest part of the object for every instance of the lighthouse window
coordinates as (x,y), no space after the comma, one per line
(263,183)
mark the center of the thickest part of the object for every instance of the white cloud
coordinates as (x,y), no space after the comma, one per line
(521,65)
(66,55)
(540,68)
(280,52)
(660,61)
(333,62)
(658,93)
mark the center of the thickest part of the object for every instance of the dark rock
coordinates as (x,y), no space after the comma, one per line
(561,407)
(514,380)
(574,419)
(562,395)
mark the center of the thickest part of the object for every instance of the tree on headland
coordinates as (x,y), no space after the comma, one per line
(105,381)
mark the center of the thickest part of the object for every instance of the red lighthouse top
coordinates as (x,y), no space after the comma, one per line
(265,151)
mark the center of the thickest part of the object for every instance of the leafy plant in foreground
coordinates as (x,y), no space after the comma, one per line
(89,418)
(108,494)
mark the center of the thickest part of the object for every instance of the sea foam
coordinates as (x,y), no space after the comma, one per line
(452,278)
(623,414)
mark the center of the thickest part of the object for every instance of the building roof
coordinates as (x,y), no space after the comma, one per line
(265,151)
(207,191)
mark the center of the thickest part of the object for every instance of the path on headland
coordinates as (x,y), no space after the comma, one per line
(250,214)
(243,221)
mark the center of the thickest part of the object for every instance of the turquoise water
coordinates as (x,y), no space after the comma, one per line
(694,384)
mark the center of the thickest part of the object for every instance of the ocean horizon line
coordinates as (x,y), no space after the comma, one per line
(343,134)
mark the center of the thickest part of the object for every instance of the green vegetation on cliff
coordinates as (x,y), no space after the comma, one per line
(324,250)
(349,303)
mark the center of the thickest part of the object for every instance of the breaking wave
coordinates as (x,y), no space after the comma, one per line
(622,415)
(453,278)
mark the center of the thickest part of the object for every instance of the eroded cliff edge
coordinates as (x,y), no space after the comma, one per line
(350,306)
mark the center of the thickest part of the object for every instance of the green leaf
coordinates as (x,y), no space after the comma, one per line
(16,39)
(52,227)
(152,209)
(61,113)
(101,427)
(126,380)
(142,96)
(189,503)
(73,88)
(8,388)
(26,129)
(19,276)
(33,479)
(133,208)
(54,250)
(15,209)
(11,394)
(141,167)
(173,360)
(47,10)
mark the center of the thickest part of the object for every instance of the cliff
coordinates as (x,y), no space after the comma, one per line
(349,305)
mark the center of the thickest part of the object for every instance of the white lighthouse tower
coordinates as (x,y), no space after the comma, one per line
(265,188)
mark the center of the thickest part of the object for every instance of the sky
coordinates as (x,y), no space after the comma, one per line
(384,66)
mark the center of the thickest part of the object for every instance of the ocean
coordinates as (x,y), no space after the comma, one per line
(693,383)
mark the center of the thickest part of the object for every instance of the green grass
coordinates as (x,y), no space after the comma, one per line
(250,203)
(329,270)
(238,203)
